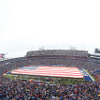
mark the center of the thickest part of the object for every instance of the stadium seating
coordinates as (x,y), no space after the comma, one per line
(24,90)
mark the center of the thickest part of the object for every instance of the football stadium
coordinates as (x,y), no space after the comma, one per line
(51,75)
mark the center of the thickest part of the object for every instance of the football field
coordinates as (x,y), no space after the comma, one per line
(54,71)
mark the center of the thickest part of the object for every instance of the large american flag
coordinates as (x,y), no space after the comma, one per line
(72,72)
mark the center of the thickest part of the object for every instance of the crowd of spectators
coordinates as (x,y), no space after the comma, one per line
(73,53)
(24,90)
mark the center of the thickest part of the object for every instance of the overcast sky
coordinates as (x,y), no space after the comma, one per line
(53,24)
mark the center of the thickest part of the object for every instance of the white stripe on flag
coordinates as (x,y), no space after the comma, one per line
(52,71)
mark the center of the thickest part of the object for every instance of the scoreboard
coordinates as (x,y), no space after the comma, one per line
(97,50)
(2,55)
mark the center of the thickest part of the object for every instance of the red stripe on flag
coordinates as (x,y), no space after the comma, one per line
(52,71)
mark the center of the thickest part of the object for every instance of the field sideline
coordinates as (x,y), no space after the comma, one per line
(59,80)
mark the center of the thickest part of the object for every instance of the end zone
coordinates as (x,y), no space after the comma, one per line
(86,76)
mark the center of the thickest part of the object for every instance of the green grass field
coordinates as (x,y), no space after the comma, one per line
(46,79)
